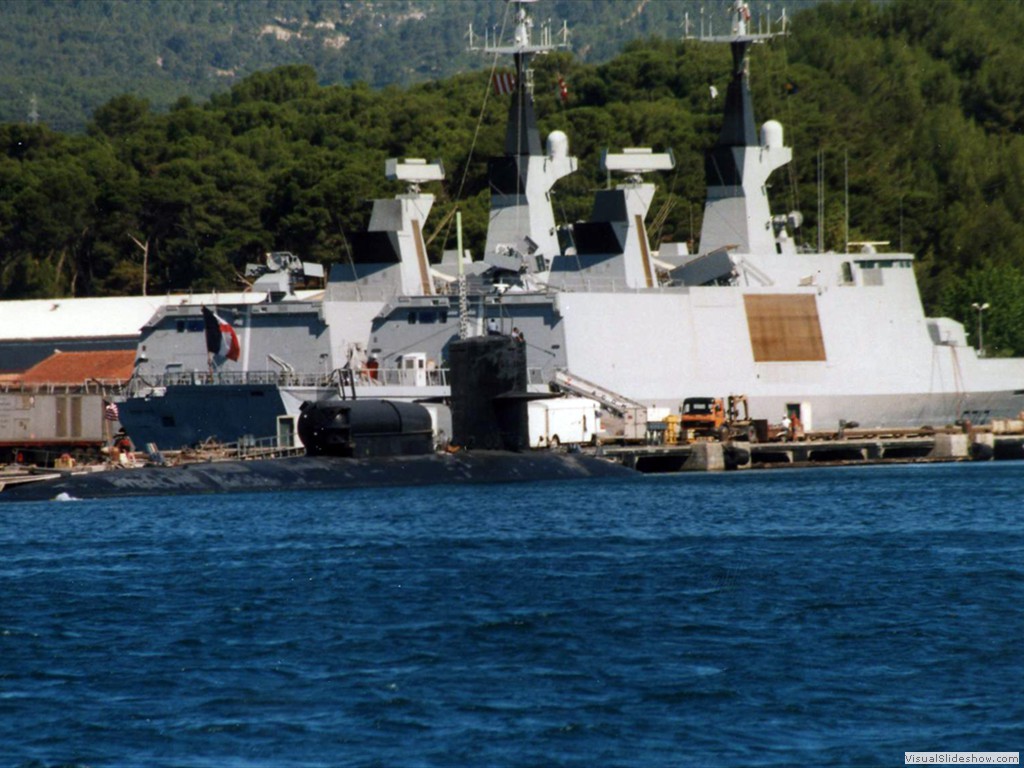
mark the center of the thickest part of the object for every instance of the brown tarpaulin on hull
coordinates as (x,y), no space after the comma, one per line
(784,328)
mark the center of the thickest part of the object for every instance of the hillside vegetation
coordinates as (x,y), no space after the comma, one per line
(61,59)
(922,102)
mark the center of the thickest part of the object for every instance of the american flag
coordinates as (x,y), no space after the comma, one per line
(110,411)
(504,83)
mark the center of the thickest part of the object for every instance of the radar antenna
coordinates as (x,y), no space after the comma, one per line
(413,171)
(636,161)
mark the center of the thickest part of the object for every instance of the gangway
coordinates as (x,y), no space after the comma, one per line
(632,414)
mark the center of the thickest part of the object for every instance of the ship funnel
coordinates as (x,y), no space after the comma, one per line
(771,134)
(558,145)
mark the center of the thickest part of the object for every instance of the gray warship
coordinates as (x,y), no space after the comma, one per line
(831,337)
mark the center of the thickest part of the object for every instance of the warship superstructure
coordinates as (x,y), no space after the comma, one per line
(832,337)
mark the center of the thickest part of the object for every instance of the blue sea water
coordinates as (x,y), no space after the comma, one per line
(833,616)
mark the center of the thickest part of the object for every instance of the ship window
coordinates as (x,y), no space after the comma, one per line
(847,273)
(443,315)
(428,317)
(196,325)
(412,318)
(180,325)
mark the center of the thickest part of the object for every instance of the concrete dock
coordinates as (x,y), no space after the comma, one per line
(712,456)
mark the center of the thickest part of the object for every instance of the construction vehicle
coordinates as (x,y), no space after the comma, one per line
(715,418)
(701,417)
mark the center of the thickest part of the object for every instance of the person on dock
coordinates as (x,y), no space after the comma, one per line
(797,428)
(122,442)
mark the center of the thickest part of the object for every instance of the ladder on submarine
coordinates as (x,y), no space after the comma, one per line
(631,414)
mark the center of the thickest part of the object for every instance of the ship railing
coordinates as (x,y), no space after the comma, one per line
(111,387)
(264,447)
(419,377)
(391,377)
(200,378)
(247,447)
(603,285)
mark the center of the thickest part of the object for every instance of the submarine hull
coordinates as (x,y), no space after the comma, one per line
(320,473)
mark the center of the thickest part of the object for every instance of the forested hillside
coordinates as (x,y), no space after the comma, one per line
(923,102)
(60,59)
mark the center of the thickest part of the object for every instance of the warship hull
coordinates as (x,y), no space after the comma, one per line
(831,351)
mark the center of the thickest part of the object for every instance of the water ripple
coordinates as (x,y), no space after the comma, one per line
(783,618)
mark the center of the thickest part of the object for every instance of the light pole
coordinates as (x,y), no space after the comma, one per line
(145,258)
(981,333)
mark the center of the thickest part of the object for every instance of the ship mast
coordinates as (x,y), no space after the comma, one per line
(522,136)
(738,128)
(521,235)
(737,167)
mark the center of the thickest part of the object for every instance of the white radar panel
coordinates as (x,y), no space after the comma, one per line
(637,160)
(413,170)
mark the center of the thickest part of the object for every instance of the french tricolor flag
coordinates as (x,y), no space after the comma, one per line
(221,339)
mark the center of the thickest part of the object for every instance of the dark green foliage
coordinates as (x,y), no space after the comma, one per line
(915,108)
(73,57)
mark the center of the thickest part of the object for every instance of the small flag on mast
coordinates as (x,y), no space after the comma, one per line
(110,412)
(504,83)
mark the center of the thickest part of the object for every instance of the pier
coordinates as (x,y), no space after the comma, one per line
(713,456)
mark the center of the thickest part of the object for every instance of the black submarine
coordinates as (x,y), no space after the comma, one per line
(360,443)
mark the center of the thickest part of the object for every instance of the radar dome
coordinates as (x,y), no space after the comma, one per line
(558,145)
(771,134)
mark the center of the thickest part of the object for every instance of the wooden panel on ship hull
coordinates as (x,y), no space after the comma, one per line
(784,328)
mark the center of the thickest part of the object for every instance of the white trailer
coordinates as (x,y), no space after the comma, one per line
(628,418)
(564,421)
